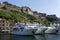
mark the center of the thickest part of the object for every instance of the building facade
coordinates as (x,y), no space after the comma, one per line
(4,25)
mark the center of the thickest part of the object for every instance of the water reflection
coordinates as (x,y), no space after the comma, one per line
(15,37)
(4,37)
(35,37)
(48,37)
(40,37)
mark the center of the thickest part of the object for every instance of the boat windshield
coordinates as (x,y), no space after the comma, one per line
(15,29)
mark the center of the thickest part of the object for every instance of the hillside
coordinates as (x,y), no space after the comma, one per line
(14,13)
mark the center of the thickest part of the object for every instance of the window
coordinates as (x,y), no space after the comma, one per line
(16,29)
(26,10)
(22,29)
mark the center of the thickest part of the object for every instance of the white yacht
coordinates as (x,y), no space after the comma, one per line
(58,28)
(22,30)
(41,30)
(51,30)
(58,32)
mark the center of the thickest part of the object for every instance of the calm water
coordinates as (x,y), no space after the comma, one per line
(36,37)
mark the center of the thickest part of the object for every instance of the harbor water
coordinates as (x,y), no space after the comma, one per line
(35,37)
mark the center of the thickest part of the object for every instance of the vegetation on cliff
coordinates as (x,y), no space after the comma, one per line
(19,16)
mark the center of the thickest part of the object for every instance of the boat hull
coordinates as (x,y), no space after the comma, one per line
(58,32)
(51,30)
(41,31)
(24,32)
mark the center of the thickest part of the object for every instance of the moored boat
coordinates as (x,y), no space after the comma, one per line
(58,29)
(23,30)
(51,30)
(41,30)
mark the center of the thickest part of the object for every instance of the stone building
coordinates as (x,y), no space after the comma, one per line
(52,16)
(26,10)
(35,13)
(4,25)
(1,5)
(41,15)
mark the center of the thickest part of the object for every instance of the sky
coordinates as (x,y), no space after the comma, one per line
(43,6)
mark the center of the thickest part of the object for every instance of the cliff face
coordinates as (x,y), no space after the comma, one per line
(23,14)
(9,6)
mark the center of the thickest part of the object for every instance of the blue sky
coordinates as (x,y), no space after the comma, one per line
(44,6)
